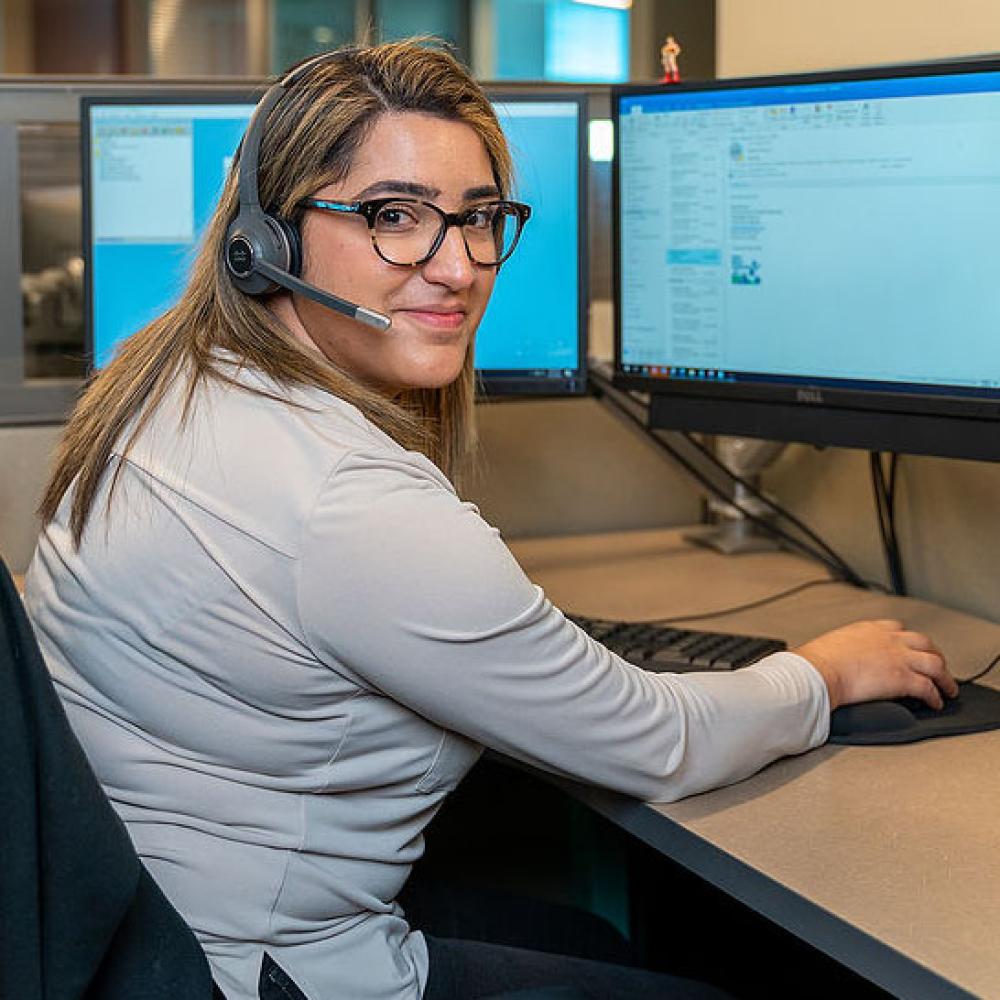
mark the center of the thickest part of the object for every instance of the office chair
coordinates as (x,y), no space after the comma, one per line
(80,917)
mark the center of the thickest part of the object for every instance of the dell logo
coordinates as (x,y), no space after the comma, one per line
(808,396)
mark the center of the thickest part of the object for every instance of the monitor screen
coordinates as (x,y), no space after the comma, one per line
(815,258)
(154,166)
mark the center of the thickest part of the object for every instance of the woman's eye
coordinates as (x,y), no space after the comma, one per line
(395,217)
(481,218)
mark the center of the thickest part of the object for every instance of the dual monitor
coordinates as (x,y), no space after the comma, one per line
(811,258)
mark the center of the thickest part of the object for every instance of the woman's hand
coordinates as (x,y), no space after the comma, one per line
(866,661)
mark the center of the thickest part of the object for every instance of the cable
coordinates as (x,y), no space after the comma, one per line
(844,567)
(776,507)
(879,492)
(608,391)
(722,612)
(832,560)
(749,606)
(885,509)
(878,483)
(982,673)
(891,506)
(839,570)
(885,499)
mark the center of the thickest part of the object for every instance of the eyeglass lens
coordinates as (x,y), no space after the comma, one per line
(406,232)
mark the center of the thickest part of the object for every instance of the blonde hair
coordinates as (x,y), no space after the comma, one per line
(309,141)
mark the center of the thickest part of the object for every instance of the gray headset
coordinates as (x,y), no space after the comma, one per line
(262,251)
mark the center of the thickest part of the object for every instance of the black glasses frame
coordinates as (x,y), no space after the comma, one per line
(369,211)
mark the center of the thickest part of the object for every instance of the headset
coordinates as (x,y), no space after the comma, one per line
(263,252)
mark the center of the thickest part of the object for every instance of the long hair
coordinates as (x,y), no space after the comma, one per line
(309,141)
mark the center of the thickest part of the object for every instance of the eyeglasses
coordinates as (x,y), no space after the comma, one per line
(409,232)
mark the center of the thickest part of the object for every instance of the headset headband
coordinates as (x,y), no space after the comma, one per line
(250,154)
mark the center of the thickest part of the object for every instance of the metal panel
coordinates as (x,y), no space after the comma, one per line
(11,337)
(33,100)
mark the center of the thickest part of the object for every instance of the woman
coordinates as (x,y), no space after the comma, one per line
(278,632)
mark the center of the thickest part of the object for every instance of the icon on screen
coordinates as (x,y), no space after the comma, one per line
(744,271)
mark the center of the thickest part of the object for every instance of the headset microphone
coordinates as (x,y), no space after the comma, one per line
(239,253)
(264,252)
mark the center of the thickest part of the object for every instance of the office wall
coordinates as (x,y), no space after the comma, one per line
(16,36)
(947,514)
(948,510)
(25,453)
(785,36)
(564,467)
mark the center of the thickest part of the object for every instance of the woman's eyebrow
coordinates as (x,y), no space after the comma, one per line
(423,191)
(398,187)
(483,191)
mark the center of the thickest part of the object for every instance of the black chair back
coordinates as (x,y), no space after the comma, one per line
(80,917)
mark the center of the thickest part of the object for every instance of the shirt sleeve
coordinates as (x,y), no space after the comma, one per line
(412,591)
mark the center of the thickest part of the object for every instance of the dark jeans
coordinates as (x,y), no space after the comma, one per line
(467,970)
(486,944)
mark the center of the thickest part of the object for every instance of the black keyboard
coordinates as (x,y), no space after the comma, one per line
(677,650)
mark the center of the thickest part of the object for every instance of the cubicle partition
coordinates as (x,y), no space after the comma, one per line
(42,354)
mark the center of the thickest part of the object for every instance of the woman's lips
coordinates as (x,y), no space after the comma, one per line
(437,318)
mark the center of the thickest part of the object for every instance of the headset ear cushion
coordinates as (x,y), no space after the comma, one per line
(293,240)
(259,237)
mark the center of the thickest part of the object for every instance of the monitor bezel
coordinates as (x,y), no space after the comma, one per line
(491,383)
(494,383)
(934,422)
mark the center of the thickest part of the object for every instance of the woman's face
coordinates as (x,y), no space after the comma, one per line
(436,307)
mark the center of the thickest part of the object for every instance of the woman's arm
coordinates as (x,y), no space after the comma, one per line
(408,589)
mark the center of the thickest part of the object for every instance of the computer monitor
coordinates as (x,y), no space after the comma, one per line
(153,168)
(815,258)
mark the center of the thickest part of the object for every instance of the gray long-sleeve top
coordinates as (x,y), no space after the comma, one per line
(287,640)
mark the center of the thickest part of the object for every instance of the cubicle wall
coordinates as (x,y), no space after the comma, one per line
(42,358)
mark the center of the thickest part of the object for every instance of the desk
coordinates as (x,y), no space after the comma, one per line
(885,858)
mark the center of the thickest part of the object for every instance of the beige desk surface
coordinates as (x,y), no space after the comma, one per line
(887,858)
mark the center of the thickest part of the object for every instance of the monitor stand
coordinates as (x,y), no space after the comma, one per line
(732,532)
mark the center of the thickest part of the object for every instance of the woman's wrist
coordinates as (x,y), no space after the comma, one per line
(830,675)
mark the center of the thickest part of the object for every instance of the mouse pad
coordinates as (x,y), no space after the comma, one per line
(976,709)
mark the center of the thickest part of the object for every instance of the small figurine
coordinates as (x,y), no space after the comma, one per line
(668,57)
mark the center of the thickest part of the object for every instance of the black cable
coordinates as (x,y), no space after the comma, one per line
(776,507)
(603,386)
(846,570)
(833,562)
(885,508)
(749,606)
(891,507)
(881,512)
(841,572)
(722,612)
(982,673)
